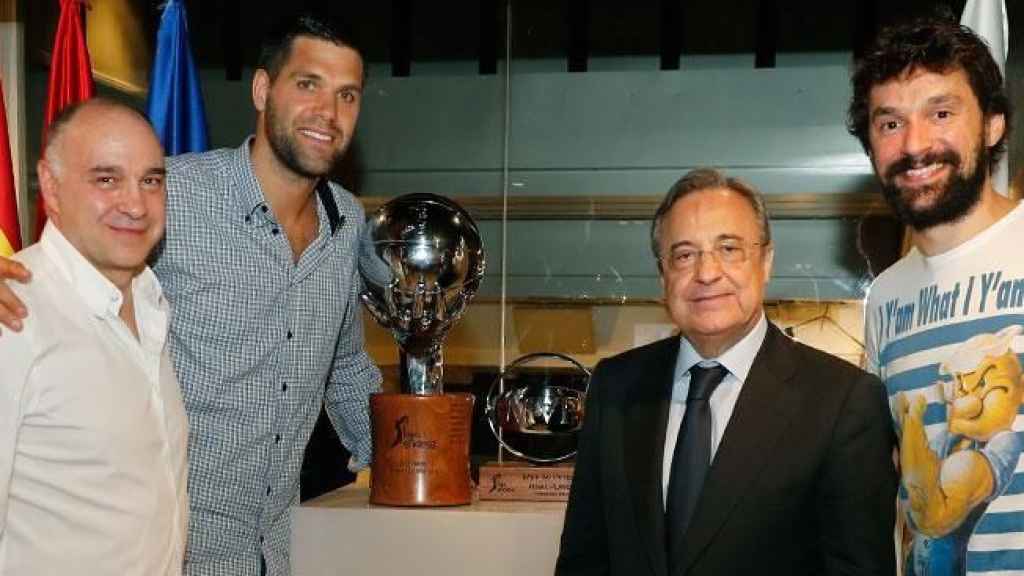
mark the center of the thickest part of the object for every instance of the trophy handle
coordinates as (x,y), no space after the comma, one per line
(491,406)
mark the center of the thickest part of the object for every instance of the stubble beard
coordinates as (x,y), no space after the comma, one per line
(287,150)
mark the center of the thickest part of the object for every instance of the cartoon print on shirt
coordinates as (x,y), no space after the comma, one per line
(950,479)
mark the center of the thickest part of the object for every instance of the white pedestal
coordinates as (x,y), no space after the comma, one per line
(341,533)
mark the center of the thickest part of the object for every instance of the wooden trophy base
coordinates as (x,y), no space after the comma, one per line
(420,449)
(524,481)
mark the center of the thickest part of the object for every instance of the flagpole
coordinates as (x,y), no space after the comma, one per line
(12,77)
(987,18)
(10,230)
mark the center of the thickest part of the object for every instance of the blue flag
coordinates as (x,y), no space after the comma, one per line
(175,102)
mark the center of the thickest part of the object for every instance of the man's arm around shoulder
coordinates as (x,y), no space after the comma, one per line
(12,309)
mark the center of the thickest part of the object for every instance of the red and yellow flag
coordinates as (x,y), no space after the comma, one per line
(10,232)
(70,75)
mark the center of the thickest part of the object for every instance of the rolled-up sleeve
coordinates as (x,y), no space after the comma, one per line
(354,376)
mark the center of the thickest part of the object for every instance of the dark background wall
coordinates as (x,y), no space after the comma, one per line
(601,101)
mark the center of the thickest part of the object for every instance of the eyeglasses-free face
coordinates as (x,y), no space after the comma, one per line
(714,268)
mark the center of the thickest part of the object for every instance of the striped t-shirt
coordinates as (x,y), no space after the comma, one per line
(946,335)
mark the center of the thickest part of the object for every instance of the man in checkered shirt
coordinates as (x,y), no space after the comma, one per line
(259,266)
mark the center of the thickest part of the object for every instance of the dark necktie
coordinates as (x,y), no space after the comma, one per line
(690,459)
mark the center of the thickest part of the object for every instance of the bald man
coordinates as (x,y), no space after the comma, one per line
(92,427)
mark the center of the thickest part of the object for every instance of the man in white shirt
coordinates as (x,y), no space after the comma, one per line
(92,428)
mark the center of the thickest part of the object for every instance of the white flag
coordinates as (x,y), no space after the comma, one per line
(987,18)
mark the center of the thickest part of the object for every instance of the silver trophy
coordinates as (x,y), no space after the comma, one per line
(422,261)
(532,400)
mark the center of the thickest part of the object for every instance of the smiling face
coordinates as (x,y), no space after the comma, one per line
(308,112)
(714,303)
(929,145)
(103,182)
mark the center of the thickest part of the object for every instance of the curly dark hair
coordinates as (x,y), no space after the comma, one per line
(936,44)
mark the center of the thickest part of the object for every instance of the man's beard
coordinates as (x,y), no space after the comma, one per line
(287,149)
(959,194)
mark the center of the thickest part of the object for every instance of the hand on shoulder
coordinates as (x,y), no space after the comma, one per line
(12,309)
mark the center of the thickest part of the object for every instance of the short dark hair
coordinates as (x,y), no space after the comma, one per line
(937,44)
(700,179)
(277,46)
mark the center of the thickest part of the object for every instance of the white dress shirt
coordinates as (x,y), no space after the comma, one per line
(737,360)
(93,432)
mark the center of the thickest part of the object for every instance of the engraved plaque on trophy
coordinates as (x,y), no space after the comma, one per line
(421,261)
(535,408)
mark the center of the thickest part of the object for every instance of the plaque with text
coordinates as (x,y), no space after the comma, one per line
(524,481)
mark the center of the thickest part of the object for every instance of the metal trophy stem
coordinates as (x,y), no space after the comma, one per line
(422,375)
(422,261)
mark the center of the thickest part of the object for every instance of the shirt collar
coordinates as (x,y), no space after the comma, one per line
(737,360)
(101,296)
(98,292)
(253,202)
(247,190)
(152,319)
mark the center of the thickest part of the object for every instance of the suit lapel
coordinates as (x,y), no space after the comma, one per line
(645,418)
(763,411)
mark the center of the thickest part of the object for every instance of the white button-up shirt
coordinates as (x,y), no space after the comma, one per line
(93,432)
(737,360)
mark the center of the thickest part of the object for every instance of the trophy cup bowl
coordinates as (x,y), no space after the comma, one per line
(422,260)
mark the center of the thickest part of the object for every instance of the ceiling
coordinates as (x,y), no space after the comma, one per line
(226,33)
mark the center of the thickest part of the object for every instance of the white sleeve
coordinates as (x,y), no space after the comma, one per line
(872,325)
(16,361)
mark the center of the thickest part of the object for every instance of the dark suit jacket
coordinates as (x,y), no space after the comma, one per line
(803,481)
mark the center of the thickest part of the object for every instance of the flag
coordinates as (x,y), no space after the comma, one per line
(987,18)
(175,102)
(70,75)
(10,232)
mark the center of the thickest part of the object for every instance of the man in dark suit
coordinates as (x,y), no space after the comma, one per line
(733,449)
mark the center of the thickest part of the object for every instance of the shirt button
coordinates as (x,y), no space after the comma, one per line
(277,438)
(275,231)
(261,539)
(264,208)
(248,219)
(284,387)
(289,334)
(268,490)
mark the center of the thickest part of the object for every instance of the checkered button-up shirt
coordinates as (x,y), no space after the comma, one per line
(258,342)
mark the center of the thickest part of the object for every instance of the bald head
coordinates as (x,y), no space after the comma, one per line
(104,107)
(102,177)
